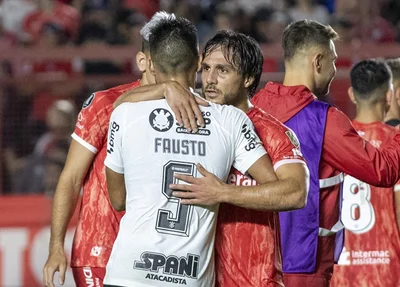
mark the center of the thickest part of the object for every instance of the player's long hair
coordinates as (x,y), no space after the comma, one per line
(242,51)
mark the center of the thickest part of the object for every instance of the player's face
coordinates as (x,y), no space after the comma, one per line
(222,83)
(328,71)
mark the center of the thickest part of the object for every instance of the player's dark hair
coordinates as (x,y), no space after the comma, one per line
(394,65)
(174,46)
(368,77)
(242,52)
(303,34)
(145,46)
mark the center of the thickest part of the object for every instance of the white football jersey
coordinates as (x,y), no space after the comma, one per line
(162,242)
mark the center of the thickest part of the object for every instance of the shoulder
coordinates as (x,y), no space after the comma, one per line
(336,115)
(265,121)
(390,131)
(107,97)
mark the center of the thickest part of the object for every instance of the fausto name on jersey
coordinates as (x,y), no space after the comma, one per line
(176,146)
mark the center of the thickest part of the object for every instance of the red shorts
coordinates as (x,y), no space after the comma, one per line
(88,276)
(324,268)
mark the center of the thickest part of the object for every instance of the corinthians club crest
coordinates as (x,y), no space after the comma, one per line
(161,120)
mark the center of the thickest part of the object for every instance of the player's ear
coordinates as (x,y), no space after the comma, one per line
(317,61)
(351,95)
(141,61)
(248,82)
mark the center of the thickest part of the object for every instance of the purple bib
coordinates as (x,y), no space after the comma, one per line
(299,228)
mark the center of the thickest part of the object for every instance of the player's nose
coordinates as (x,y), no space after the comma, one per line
(211,77)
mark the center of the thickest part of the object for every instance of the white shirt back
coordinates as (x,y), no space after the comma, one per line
(162,242)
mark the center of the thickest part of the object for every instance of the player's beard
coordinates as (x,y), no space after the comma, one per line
(221,98)
(231,99)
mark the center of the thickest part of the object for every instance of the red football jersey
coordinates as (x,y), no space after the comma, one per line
(98,222)
(247,241)
(371,254)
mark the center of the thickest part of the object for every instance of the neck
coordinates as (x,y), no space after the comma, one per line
(183,80)
(367,114)
(143,81)
(244,105)
(297,77)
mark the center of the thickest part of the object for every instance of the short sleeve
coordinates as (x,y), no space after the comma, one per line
(91,126)
(114,159)
(248,146)
(280,142)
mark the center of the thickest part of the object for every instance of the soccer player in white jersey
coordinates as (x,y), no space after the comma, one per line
(162,242)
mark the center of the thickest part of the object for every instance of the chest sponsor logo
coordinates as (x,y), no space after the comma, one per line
(201,131)
(88,101)
(161,120)
(170,268)
(114,127)
(361,257)
(250,137)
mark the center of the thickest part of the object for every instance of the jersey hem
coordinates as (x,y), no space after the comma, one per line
(118,169)
(84,143)
(244,167)
(287,161)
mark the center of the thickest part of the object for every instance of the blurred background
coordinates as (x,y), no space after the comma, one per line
(55,53)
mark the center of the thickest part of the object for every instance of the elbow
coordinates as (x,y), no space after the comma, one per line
(303,186)
(301,199)
(300,195)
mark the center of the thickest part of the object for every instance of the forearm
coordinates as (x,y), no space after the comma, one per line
(142,93)
(281,195)
(64,204)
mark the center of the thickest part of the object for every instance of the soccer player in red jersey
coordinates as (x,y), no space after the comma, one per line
(393,115)
(309,243)
(245,239)
(99,222)
(371,254)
